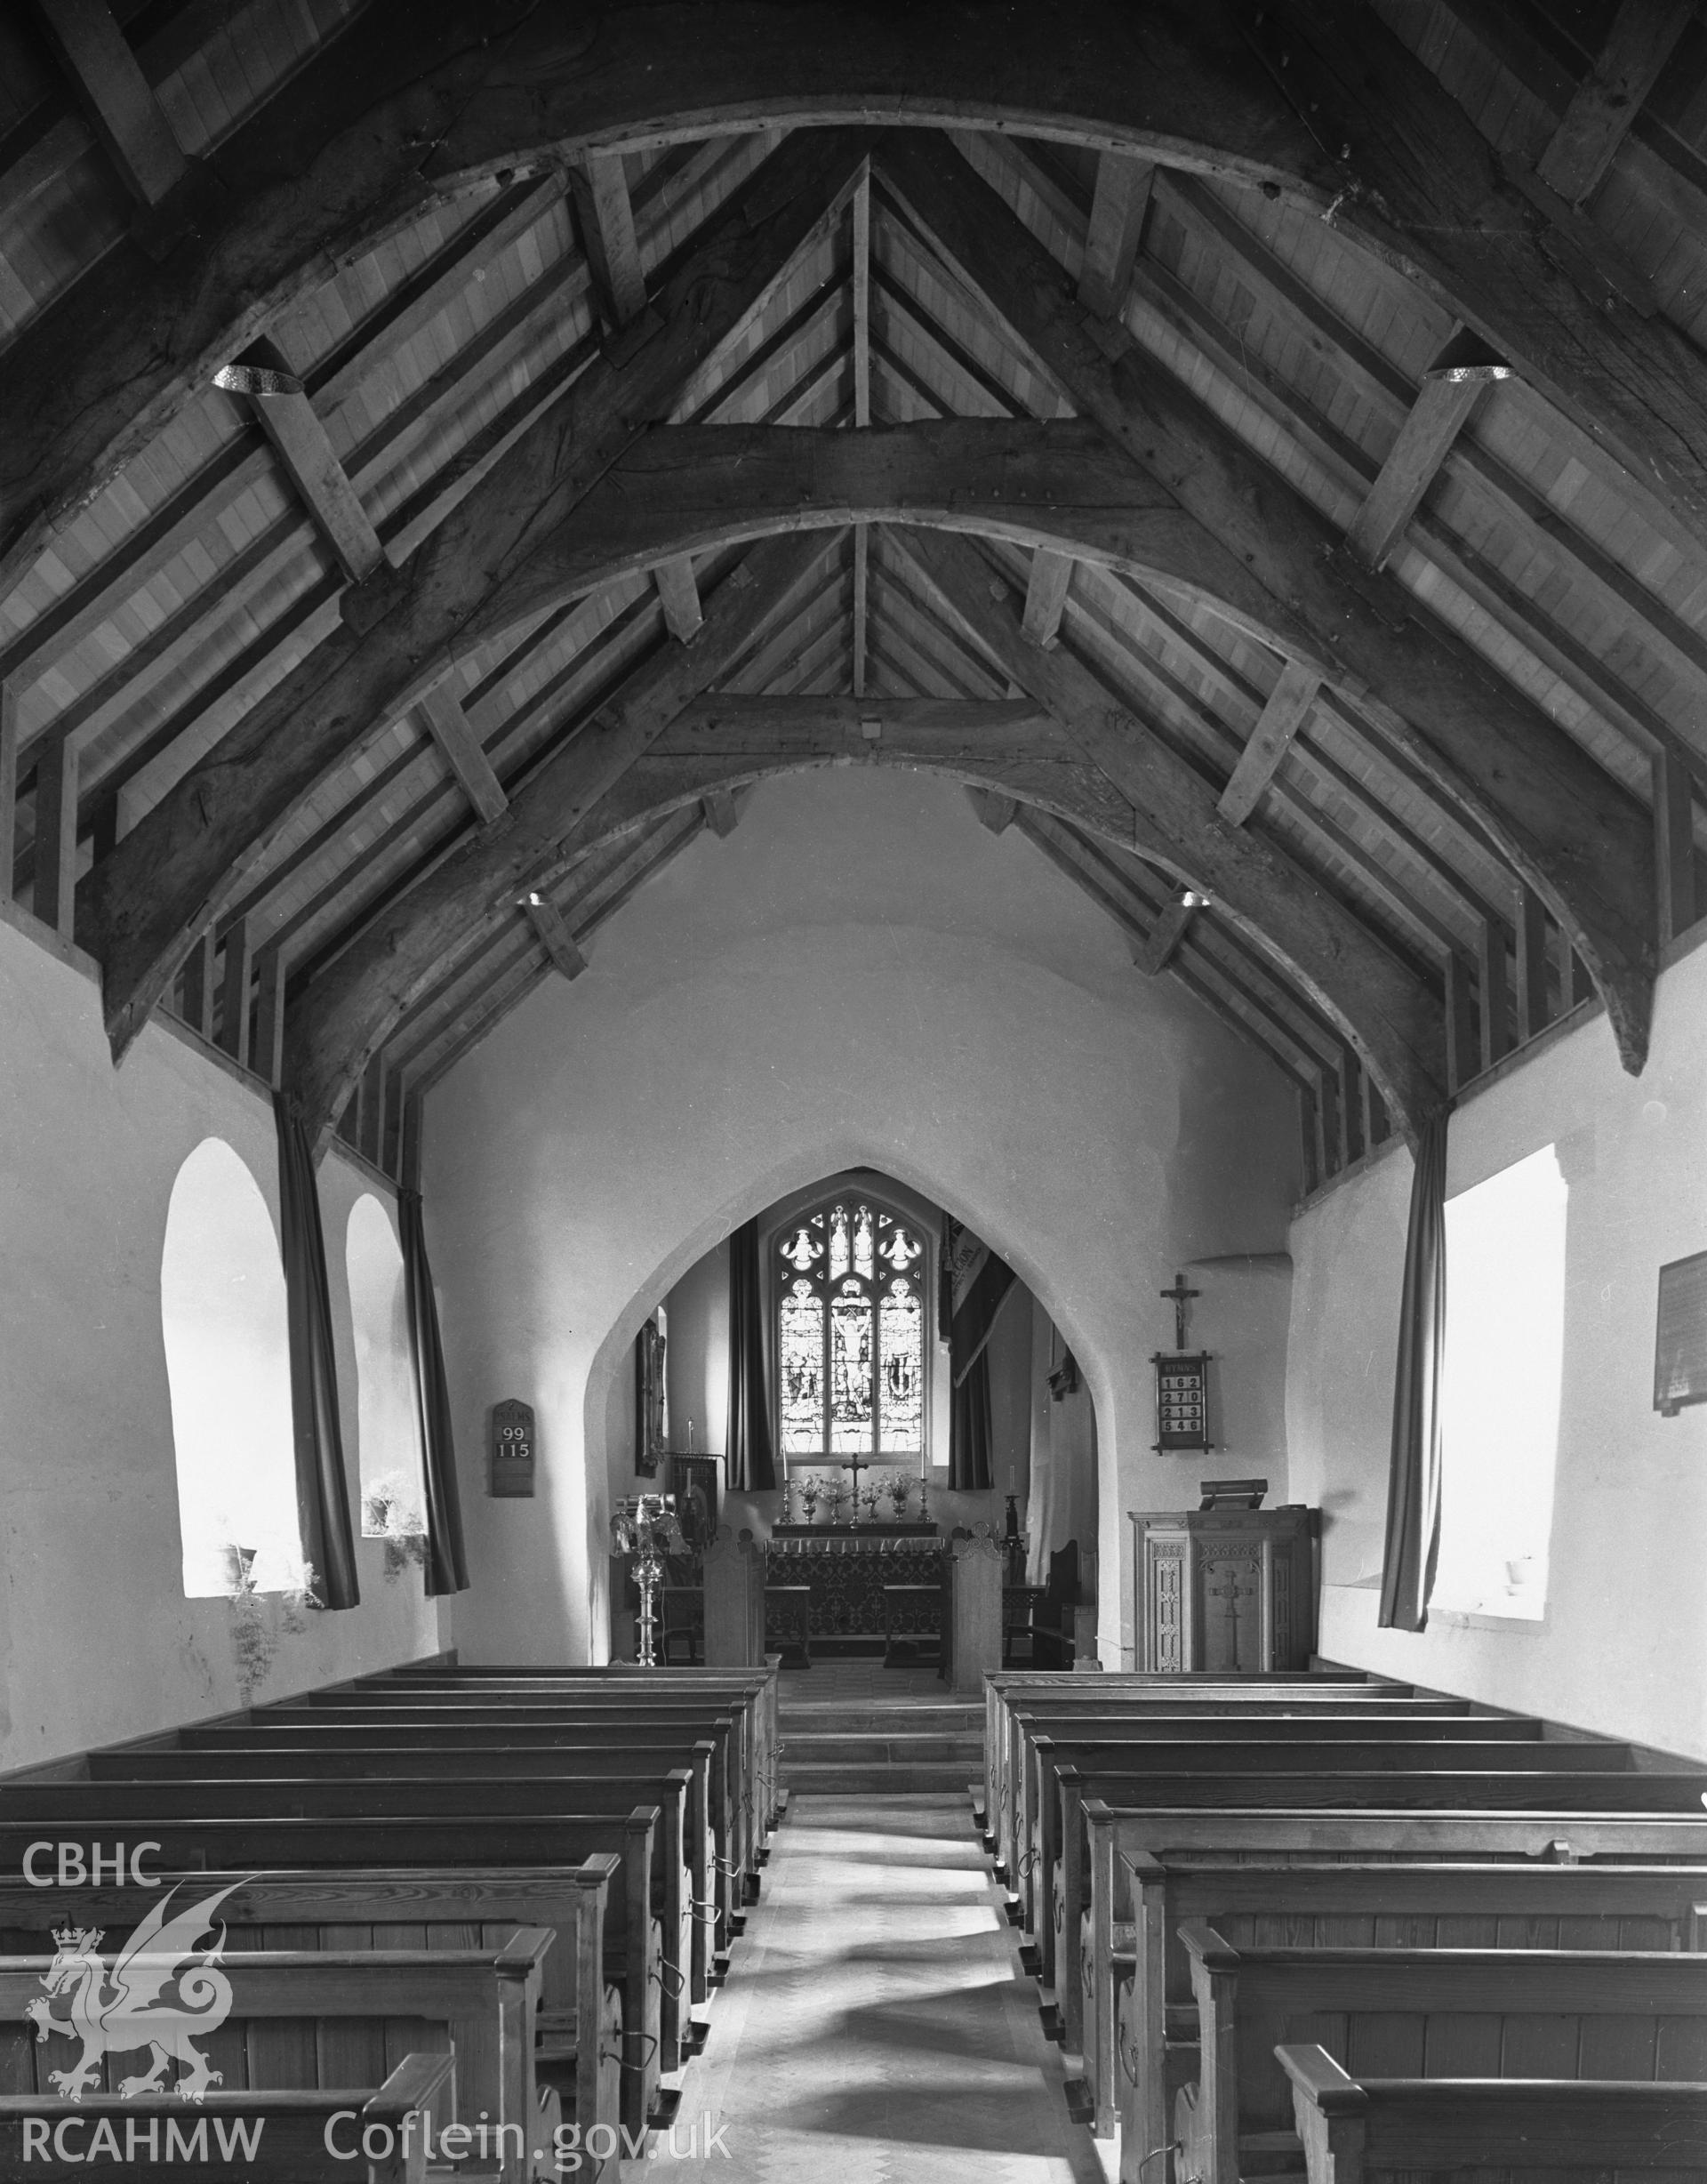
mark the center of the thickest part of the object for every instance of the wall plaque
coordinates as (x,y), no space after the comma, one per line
(512,1450)
(1680,1341)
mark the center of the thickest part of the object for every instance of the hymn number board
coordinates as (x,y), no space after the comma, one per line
(1182,1401)
(512,1450)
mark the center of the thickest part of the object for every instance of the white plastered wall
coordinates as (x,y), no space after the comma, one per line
(97,1641)
(1623,1645)
(861,975)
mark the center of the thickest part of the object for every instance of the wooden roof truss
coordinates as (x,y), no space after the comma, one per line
(375,632)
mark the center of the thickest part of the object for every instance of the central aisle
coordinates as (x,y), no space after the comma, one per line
(875,2027)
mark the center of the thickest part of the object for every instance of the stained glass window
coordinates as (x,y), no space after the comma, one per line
(850,1280)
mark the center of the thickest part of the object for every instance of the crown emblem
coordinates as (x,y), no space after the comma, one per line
(77,1937)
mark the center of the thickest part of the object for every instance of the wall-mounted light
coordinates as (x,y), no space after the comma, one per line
(1192,900)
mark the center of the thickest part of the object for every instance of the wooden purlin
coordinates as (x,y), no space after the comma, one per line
(1599,116)
(118,97)
(1554,815)
(1443,816)
(1136,903)
(347,1012)
(1377,1003)
(137,898)
(1210,77)
(1467,464)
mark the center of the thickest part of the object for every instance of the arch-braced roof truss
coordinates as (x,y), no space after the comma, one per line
(1218,556)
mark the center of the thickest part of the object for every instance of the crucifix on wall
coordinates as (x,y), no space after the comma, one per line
(1182,1384)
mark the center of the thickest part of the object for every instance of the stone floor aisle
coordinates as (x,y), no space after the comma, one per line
(875,2027)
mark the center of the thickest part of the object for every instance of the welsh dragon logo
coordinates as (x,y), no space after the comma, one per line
(161,1991)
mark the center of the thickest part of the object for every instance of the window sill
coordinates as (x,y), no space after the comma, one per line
(1476,1619)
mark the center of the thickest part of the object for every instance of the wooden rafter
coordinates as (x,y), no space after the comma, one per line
(116,96)
(140,900)
(1559,647)
(1118,209)
(1227,976)
(1046,595)
(1165,934)
(678,594)
(553,934)
(1394,1022)
(300,441)
(1281,717)
(491,87)
(1449,392)
(1627,67)
(721,813)
(345,1015)
(464,753)
(606,217)
(1486,747)
(860,215)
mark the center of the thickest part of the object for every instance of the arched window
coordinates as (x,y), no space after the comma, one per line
(389,1423)
(222,1314)
(850,1333)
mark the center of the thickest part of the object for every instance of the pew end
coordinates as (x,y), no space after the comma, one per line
(277,2138)
(1363,2132)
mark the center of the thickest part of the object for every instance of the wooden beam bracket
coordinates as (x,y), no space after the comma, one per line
(453,732)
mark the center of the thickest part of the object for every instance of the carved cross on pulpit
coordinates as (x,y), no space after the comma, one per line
(1230,1638)
(1180,1296)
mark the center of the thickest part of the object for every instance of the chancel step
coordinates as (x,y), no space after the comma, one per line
(913,1750)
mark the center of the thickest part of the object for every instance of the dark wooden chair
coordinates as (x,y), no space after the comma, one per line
(788,1619)
(1019,1605)
(684,1625)
(906,1611)
(1052,1643)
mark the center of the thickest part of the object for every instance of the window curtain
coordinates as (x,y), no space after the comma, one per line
(969,1427)
(1413,1475)
(973,1286)
(322,1492)
(447,1568)
(750,1461)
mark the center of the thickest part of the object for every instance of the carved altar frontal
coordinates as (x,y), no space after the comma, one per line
(1232,1590)
(845,1569)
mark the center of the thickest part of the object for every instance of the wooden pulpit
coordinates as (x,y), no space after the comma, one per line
(1232,1590)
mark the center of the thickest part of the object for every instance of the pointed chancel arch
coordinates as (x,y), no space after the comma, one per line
(222,1318)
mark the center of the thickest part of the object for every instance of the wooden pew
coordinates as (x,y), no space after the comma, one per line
(1143,1720)
(1239,1748)
(1310,1779)
(1118,1838)
(276,1777)
(420,1850)
(1198,1691)
(1390,1905)
(733,1796)
(732,1799)
(302,2138)
(1204,1705)
(681,1866)
(1369,2130)
(1478,2013)
(302,2018)
(752,1692)
(395,1910)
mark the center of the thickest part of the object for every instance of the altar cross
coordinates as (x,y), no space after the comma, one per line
(1180,1294)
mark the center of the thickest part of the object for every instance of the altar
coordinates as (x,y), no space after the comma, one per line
(846,1567)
